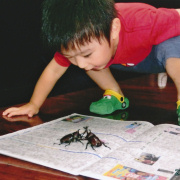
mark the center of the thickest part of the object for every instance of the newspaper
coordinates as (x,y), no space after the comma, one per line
(128,150)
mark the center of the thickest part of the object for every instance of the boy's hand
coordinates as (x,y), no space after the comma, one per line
(28,109)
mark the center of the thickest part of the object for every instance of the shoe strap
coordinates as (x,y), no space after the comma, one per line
(113,93)
(178,103)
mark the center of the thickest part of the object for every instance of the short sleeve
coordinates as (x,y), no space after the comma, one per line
(61,60)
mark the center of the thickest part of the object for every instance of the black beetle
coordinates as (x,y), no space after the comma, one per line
(93,140)
(69,138)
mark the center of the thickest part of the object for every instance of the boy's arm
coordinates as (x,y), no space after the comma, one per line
(46,82)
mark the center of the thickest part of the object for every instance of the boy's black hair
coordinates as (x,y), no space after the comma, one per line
(67,23)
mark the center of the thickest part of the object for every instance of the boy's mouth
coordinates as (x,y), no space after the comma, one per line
(96,68)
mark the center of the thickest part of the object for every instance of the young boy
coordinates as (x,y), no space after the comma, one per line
(94,34)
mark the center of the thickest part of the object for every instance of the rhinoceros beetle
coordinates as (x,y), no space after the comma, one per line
(69,138)
(92,139)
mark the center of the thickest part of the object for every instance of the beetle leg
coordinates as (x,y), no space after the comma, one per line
(87,145)
(85,131)
(59,142)
(92,147)
(105,145)
(56,143)
(80,141)
(68,144)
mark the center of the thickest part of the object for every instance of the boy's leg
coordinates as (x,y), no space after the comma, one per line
(168,52)
(113,98)
(105,80)
(164,57)
(173,70)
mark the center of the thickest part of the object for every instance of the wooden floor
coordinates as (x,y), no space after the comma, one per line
(147,102)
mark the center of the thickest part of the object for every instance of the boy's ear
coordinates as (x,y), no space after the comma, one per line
(115,29)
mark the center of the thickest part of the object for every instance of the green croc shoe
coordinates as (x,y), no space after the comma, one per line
(110,102)
(178,111)
(178,108)
(120,115)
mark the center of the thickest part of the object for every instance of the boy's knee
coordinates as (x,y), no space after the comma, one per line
(172,68)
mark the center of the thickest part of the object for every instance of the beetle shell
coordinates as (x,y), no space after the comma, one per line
(66,139)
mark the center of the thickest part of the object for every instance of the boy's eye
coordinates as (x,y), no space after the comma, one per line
(87,55)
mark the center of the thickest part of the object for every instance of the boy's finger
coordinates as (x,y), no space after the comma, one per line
(15,113)
(7,111)
(30,114)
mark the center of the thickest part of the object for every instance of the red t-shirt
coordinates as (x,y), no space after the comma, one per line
(142,26)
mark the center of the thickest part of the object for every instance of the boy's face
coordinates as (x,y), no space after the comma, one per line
(93,55)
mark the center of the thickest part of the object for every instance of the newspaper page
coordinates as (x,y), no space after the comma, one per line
(155,157)
(43,144)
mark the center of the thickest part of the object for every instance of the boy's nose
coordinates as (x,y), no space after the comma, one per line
(81,63)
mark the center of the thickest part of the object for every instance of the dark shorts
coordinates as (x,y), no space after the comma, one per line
(155,62)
